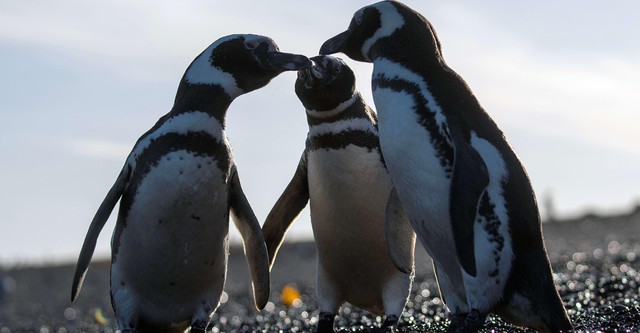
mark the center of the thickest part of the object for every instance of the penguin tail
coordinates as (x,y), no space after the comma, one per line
(553,313)
(548,304)
(543,312)
(533,300)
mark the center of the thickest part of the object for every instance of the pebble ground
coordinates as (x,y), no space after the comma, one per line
(596,261)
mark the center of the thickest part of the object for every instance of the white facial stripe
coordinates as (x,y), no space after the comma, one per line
(256,40)
(330,113)
(195,121)
(202,71)
(390,21)
(393,71)
(363,124)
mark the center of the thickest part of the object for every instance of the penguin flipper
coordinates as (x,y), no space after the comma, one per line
(399,234)
(98,222)
(286,209)
(470,179)
(253,241)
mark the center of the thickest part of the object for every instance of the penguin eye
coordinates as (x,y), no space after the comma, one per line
(357,17)
(251,44)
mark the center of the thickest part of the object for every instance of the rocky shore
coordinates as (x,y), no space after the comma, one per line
(596,260)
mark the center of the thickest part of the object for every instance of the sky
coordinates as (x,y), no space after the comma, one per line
(80,81)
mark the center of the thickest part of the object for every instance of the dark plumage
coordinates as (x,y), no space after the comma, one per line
(176,190)
(466,193)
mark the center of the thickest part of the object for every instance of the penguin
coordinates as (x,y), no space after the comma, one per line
(466,193)
(176,190)
(342,175)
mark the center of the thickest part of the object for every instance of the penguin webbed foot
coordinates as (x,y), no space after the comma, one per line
(390,329)
(466,322)
(457,322)
(388,326)
(390,322)
(325,322)
(199,326)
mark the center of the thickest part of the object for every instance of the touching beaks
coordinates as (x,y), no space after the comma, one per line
(287,61)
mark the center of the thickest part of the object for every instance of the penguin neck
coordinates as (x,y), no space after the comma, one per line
(343,109)
(210,98)
(419,61)
(427,68)
(414,45)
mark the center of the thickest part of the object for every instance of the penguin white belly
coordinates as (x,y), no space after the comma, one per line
(172,251)
(420,180)
(423,186)
(348,192)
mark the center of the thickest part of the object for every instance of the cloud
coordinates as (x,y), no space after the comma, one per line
(100,149)
(549,78)
(594,102)
(85,79)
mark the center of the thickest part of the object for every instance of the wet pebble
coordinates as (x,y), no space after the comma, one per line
(600,289)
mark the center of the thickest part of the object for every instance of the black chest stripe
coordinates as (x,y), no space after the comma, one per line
(360,138)
(427,117)
(196,143)
(342,139)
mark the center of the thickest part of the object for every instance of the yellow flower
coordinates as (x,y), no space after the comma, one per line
(289,295)
(99,317)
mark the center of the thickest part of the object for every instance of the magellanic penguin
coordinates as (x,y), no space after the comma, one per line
(466,193)
(343,177)
(176,189)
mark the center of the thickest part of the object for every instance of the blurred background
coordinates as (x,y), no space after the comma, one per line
(81,81)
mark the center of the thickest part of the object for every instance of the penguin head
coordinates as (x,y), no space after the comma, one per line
(325,84)
(242,63)
(386,27)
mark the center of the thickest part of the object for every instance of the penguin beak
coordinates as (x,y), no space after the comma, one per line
(323,71)
(317,71)
(287,61)
(311,75)
(305,76)
(334,44)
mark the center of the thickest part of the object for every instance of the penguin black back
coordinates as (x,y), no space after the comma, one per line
(177,189)
(480,186)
